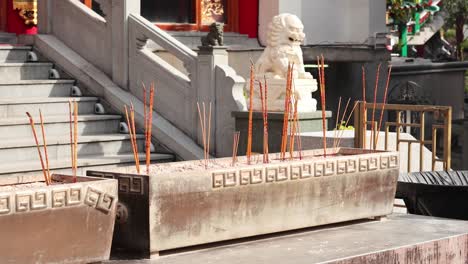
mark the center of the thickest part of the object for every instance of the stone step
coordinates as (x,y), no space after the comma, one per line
(8,38)
(14,71)
(14,53)
(12,107)
(58,148)
(19,127)
(36,88)
(33,168)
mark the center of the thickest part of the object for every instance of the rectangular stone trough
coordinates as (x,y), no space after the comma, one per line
(183,204)
(64,222)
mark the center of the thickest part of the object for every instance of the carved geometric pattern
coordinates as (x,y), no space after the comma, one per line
(384,162)
(393,162)
(368,164)
(326,168)
(66,197)
(245,176)
(257,176)
(301,171)
(99,200)
(282,173)
(271,174)
(131,184)
(31,201)
(230,179)
(5,205)
(218,179)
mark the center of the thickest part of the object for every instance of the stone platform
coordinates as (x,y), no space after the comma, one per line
(401,238)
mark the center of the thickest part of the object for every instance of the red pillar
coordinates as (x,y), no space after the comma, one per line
(248,17)
(15,24)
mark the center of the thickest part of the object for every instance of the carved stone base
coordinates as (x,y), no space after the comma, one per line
(303,88)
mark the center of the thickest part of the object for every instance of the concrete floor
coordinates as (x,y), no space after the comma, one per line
(401,238)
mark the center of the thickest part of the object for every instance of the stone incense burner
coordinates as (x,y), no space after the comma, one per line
(64,222)
(183,204)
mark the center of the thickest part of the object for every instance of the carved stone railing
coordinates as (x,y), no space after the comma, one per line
(116,43)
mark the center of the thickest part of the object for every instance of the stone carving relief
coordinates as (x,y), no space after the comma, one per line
(215,37)
(301,171)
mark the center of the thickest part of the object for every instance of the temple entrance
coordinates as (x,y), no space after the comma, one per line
(190,15)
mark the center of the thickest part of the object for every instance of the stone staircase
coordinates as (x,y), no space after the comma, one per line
(27,86)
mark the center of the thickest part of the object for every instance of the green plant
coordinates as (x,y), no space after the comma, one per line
(457,11)
(343,126)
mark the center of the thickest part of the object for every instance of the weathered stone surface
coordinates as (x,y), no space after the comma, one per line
(194,206)
(403,239)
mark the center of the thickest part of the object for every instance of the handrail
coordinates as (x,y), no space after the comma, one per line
(163,39)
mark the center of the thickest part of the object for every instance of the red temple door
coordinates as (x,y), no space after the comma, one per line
(3,15)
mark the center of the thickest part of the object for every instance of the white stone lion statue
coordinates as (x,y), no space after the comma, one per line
(285,36)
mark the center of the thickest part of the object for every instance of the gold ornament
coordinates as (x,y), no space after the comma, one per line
(27,10)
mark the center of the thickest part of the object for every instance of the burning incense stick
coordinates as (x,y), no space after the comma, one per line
(44,171)
(384,102)
(45,145)
(372,145)
(251,95)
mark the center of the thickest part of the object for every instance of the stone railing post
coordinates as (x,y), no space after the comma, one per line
(208,58)
(44,16)
(121,9)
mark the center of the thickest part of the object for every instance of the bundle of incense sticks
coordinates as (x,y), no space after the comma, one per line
(45,167)
(235,146)
(346,123)
(148,116)
(364,118)
(287,109)
(321,71)
(384,103)
(132,133)
(293,132)
(251,95)
(298,131)
(73,115)
(336,123)
(206,133)
(264,98)
(372,143)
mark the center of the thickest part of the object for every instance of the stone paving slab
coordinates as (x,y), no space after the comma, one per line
(401,238)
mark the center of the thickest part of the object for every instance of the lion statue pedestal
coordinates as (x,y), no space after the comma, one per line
(302,88)
(285,35)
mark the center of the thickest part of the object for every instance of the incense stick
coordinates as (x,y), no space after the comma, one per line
(72,145)
(321,68)
(44,142)
(235,145)
(287,104)
(372,146)
(384,102)
(148,126)
(346,124)
(265,125)
(336,123)
(249,133)
(209,138)
(293,128)
(75,140)
(31,122)
(130,132)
